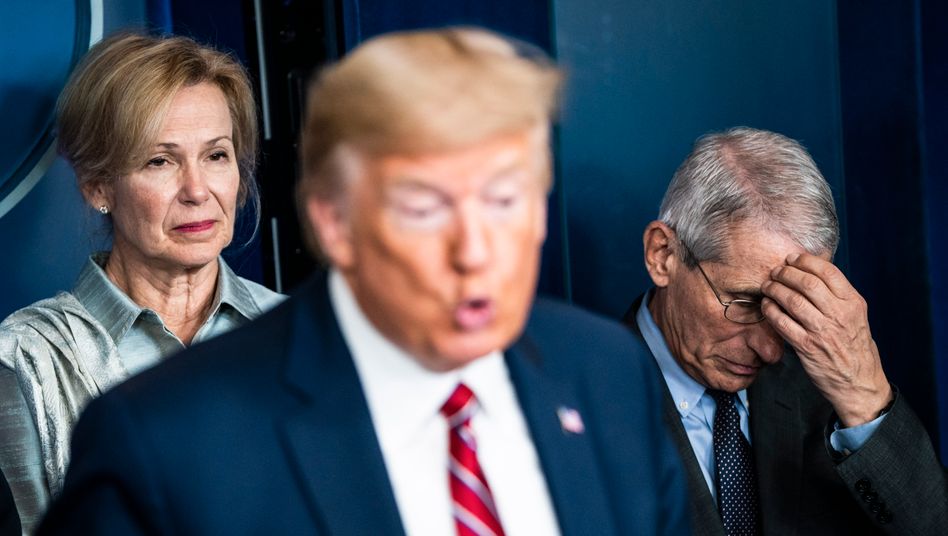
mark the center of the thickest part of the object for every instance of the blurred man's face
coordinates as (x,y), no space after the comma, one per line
(442,250)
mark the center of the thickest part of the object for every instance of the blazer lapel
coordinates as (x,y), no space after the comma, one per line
(776,428)
(330,435)
(567,457)
(705,519)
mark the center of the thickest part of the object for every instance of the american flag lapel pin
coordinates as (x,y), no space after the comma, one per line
(570,420)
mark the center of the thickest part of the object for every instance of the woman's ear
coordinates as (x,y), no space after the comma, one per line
(97,194)
(660,257)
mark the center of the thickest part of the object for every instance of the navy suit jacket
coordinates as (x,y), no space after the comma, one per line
(893,485)
(266,430)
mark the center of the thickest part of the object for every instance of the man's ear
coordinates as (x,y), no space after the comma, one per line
(328,220)
(661,260)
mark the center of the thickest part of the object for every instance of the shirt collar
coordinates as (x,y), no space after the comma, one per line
(117,312)
(685,391)
(105,301)
(232,291)
(403,396)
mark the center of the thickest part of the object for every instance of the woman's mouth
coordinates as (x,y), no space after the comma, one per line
(195,226)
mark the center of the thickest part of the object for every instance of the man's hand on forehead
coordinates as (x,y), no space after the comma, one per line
(812,305)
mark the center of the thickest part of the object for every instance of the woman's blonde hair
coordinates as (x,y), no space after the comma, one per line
(422,91)
(111,110)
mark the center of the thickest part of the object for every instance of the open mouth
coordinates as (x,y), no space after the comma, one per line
(474,314)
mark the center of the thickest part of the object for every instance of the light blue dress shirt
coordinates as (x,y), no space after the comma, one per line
(697,408)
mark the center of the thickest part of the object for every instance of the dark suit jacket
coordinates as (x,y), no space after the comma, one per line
(266,430)
(9,520)
(805,488)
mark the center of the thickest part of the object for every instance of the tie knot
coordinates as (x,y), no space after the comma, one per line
(459,406)
(720,397)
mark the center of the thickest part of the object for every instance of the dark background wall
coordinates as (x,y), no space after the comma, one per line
(864,86)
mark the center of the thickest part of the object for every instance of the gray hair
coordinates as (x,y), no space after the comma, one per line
(748,175)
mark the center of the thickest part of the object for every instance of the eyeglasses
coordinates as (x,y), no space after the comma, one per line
(740,311)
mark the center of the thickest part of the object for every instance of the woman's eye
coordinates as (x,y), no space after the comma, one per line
(218,155)
(157,161)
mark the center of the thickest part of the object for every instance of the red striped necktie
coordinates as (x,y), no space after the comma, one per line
(474,510)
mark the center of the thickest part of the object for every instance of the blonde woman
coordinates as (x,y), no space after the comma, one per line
(162,134)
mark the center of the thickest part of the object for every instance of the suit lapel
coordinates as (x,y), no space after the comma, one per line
(705,519)
(567,458)
(330,435)
(776,428)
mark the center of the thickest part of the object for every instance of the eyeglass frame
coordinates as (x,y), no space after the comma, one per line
(717,295)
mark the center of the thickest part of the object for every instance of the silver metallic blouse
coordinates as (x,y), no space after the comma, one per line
(59,353)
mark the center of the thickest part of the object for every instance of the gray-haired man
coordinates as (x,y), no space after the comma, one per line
(803,438)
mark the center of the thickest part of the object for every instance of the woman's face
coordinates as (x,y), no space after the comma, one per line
(177,210)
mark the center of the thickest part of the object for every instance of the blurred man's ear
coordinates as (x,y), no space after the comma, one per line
(660,258)
(328,221)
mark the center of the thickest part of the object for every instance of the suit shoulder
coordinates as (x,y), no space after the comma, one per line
(232,358)
(557,317)
(558,326)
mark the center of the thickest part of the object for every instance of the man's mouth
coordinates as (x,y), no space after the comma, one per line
(739,369)
(474,314)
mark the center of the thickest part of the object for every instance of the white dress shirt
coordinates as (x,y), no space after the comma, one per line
(405,399)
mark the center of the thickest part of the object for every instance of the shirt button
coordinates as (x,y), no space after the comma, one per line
(683,405)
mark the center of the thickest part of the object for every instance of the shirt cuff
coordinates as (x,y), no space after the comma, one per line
(848,440)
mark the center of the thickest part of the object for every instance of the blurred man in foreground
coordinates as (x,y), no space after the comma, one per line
(418,390)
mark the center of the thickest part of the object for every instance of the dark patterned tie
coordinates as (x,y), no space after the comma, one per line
(474,510)
(736,479)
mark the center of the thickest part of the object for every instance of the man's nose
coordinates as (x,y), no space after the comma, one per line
(765,341)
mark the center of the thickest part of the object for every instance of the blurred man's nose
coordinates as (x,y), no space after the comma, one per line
(471,250)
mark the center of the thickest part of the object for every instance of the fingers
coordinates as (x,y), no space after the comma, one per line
(789,301)
(783,324)
(796,291)
(815,280)
(825,271)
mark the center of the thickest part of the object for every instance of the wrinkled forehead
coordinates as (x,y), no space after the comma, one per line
(751,250)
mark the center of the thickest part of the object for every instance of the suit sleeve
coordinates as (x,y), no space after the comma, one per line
(110,488)
(896,477)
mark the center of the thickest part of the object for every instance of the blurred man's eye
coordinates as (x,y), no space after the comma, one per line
(421,212)
(502,201)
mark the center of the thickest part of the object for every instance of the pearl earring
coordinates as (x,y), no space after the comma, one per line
(104,209)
